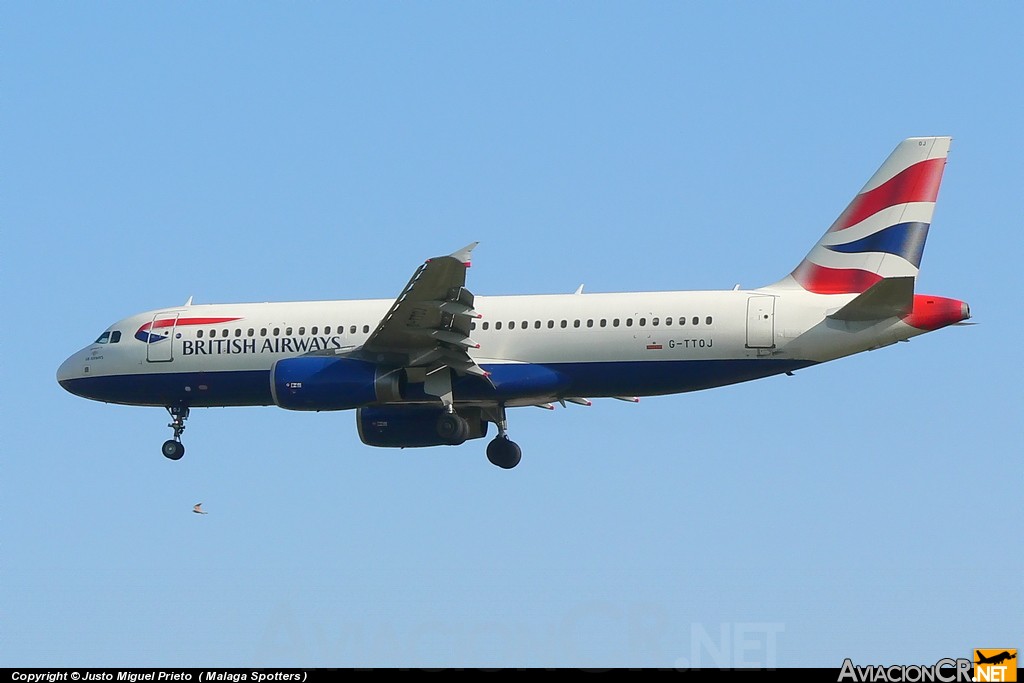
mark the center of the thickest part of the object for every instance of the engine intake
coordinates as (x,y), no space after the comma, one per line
(331,383)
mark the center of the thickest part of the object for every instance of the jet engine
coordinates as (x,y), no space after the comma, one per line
(331,383)
(415,426)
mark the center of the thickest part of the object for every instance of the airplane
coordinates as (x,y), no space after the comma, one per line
(994,659)
(438,365)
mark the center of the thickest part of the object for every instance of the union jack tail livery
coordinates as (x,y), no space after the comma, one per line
(881,234)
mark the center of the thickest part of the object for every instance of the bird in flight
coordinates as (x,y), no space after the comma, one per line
(198,509)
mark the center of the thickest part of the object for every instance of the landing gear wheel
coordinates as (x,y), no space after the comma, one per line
(173,449)
(504,453)
(452,428)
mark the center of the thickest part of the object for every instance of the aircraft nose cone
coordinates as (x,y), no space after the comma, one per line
(67,372)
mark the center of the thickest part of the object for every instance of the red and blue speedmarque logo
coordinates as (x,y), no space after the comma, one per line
(148,334)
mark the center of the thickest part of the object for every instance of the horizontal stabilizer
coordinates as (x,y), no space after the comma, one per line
(892,297)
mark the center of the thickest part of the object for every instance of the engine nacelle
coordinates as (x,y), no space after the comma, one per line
(331,383)
(411,426)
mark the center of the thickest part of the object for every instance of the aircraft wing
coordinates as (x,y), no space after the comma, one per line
(428,325)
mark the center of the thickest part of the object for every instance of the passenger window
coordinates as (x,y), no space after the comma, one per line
(199,334)
(643,322)
(590,322)
(629,322)
(327,330)
(497,325)
(682,320)
(277,331)
(707,320)
(302,331)
(251,332)
(604,322)
(352,330)
(575,323)
(551,324)
(224,332)
(564,324)
(115,337)
(486,325)
(366,328)
(654,322)
(526,325)
(512,325)
(263,332)
(536,325)
(472,325)
(287,331)
(238,331)
(615,323)
(696,320)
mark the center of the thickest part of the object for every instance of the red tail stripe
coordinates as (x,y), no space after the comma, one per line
(822,280)
(917,183)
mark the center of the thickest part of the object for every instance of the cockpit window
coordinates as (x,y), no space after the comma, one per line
(104,338)
(115,337)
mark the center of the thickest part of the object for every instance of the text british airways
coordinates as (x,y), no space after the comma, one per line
(213,347)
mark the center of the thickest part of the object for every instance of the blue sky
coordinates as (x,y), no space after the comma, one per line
(273,151)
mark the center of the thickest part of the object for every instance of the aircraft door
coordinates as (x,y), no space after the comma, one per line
(160,344)
(760,322)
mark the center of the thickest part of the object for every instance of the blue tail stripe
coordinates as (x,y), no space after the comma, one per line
(904,239)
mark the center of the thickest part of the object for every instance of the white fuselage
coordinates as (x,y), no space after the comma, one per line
(771,331)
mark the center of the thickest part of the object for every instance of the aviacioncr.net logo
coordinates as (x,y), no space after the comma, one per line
(945,670)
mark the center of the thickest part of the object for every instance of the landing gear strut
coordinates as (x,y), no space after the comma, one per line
(502,451)
(173,448)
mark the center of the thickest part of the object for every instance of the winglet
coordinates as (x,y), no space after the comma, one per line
(463,254)
(189,302)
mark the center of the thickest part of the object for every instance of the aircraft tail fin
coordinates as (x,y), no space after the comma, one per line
(882,232)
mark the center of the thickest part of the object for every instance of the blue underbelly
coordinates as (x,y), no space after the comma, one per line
(591,380)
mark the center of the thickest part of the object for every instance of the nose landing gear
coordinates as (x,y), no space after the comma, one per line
(173,449)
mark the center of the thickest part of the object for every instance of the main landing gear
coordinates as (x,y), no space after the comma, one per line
(502,451)
(453,429)
(173,448)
